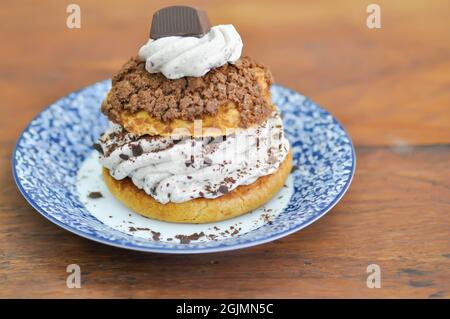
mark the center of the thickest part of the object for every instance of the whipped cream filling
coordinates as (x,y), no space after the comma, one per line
(177,170)
(176,56)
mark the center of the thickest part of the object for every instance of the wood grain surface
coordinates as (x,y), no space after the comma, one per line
(390,88)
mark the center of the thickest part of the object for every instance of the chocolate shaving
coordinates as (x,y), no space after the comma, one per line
(98,148)
(133,229)
(124,157)
(95,195)
(230,180)
(235,232)
(137,150)
(207,161)
(156,235)
(186,239)
(190,161)
(223,189)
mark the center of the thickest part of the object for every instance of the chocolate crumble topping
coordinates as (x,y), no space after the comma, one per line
(134,89)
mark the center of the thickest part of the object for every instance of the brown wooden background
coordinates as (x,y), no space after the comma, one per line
(389,87)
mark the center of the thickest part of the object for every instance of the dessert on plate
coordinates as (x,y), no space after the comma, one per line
(194,135)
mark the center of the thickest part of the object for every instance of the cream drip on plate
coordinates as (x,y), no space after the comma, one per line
(178,56)
(177,170)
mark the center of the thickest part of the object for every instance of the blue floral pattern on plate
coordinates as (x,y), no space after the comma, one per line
(51,149)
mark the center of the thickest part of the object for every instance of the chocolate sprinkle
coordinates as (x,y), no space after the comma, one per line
(137,149)
(133,229)
(95,195)
(156,235)
(207,161)
(189,162)
(124,157)
(230,180)
(186,239)
(223,189)
(98,148)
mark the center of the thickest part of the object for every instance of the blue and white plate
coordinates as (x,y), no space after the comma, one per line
(56,169)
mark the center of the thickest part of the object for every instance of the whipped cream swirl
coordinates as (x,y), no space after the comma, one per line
(178,170)
(176,56)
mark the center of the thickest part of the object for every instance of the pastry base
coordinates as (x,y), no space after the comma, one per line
(201,210)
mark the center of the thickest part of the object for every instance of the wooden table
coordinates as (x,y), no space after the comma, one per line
(390,87)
